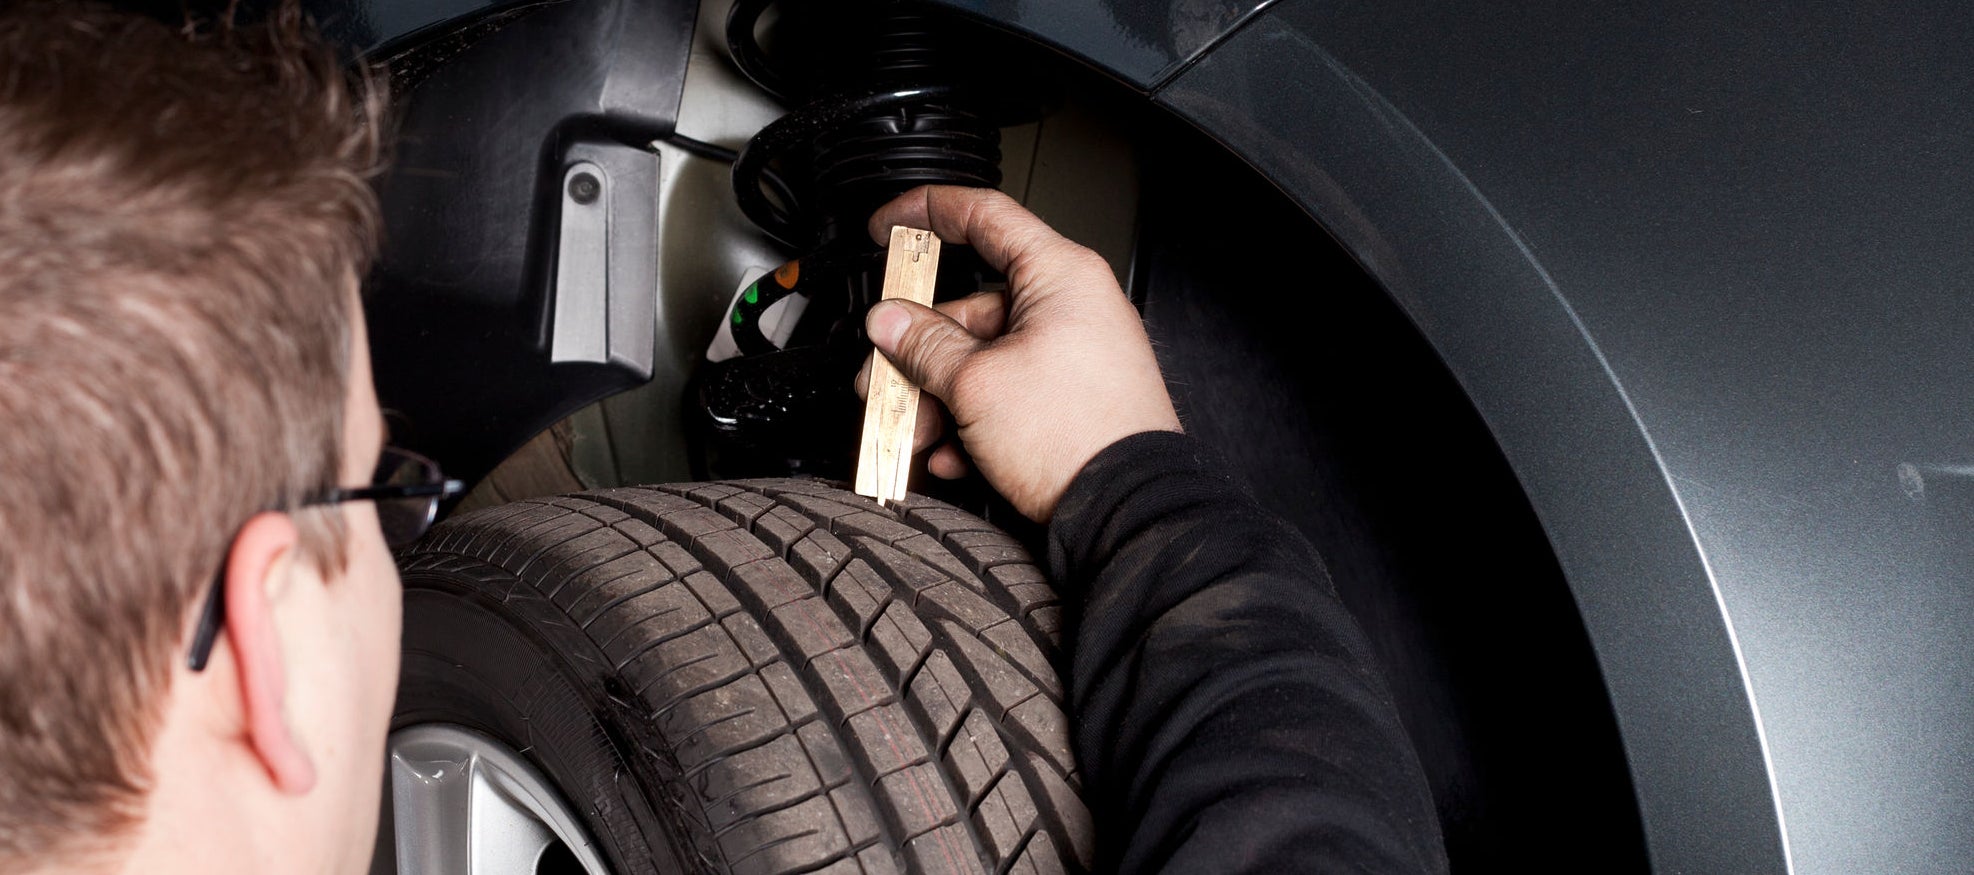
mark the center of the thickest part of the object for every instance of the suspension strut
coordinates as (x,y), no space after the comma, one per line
(896,104)
(885,96)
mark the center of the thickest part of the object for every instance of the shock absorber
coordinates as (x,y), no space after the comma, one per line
(885,96)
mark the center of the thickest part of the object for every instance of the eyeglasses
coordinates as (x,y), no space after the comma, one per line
(407,490)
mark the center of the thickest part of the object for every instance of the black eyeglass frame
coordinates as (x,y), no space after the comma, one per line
(212,614)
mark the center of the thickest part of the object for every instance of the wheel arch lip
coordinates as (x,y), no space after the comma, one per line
(1707,292)
(1563,419)
(1143,43)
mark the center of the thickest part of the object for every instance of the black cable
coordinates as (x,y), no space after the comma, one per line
(701,148)
(715,152)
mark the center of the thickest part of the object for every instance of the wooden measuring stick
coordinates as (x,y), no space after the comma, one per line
(884,461)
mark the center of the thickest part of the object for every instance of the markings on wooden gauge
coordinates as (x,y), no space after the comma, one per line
(884,458)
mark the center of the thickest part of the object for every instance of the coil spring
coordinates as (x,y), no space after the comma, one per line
(887,105)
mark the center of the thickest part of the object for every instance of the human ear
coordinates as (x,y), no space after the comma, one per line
(262,559)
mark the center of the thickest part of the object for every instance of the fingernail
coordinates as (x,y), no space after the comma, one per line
(887,323)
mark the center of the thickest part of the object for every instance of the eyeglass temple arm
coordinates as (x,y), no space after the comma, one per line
(446,489)
(211,616)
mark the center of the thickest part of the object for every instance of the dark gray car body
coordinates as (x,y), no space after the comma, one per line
(1700,269)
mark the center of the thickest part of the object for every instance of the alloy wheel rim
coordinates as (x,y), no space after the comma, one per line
(464,803)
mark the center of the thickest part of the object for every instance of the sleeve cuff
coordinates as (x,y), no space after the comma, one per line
(1142,477)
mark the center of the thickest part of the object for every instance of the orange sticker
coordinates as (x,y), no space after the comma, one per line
(787,274)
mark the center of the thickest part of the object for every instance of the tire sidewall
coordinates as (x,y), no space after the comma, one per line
(481,652)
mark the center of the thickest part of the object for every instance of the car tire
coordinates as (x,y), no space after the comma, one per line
(767,676)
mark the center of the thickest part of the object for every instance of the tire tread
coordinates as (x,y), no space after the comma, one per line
(842,687)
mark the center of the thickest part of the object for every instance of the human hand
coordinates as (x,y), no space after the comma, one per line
(1039,379)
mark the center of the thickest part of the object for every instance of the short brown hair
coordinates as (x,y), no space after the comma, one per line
(185,213)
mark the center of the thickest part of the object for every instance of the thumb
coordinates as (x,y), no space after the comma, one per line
(927,346)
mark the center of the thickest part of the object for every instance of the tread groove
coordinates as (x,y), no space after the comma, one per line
(918,665)
(723,718)
(690,692)
(507,542)
(876,614)
(672,670)
(973,805)
(1007,714)
(729,795)
(608,606)
(831,860)
(717,757)
(605,643)
(574,575)
(777,807)
(773,843)
(520,570)
(1020,848)
(829,580)
(947,738)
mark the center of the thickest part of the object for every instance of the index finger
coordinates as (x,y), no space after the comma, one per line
(1004,232)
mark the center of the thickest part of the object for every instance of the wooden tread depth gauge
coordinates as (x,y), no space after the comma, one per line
(884,461)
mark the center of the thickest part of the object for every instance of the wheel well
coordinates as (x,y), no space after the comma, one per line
(1282,352)
(1336,411)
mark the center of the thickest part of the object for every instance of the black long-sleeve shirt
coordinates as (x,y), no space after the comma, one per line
(1227,712)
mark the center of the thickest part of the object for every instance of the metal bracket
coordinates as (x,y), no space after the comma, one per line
(606,271)
(582,268)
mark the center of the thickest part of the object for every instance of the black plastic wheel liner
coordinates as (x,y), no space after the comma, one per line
(1343,419)
(490,114)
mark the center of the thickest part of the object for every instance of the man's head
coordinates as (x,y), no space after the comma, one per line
(184,218)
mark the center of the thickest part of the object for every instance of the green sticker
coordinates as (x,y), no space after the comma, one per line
(753,295)
(737,319)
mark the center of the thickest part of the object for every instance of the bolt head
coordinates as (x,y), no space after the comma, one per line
(585,188)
